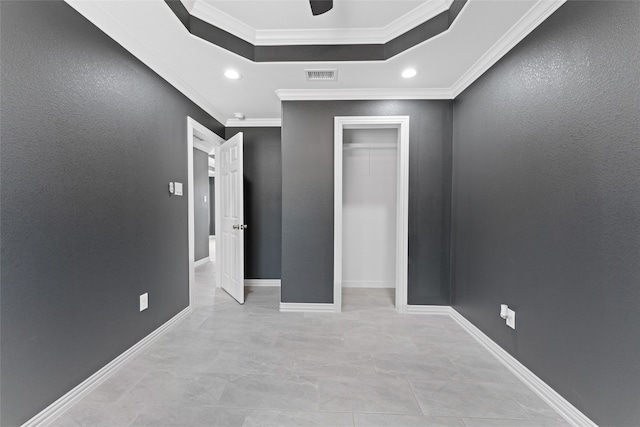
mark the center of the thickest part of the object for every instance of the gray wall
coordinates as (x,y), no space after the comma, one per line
(547,205)
(307,196)
(201,208)
(90,140)
(262,201)
(212,206)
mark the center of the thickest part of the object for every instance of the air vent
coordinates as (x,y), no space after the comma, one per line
(321,75)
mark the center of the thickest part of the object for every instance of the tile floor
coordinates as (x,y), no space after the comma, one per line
(250,365)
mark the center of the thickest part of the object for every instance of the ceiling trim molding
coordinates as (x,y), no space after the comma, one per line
(530,21)
(224,21)
(414,18)
(361,94)
(102,19)
(237,37)
(253,123)
(257,37)
(534,17)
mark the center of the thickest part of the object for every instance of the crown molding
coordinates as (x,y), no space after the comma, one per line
(224,21)
(101,18)
(189,4)
(534,17)
(320,36)
(417,16)
(253,123)
(361,94)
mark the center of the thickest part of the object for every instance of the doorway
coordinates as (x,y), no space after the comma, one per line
(371,205)
(203,139)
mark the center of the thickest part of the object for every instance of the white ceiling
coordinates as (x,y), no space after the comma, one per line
(295,14)
(279,22)
(483,32)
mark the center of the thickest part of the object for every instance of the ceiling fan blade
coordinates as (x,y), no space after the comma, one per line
(318,7)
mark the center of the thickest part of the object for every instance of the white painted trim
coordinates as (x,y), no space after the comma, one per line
(224,21)
(254,123)
(210,139)
(191,228)
(534,17)
(205,146)
(542,389)
(100,17)
(295,307)
(57,408)
(417,16)
(402,234)
(273,37)
(217,188)
(362,94)
(202,261)
(429,309)
(262,282)
(368,284)
(369,145)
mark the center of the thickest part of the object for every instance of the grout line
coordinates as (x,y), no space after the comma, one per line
(142,407)
(415,398)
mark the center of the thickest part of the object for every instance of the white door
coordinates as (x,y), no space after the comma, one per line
(232,213)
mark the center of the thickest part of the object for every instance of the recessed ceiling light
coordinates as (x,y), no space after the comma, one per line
(232,74)
(409,72)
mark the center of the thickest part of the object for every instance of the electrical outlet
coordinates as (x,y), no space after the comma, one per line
(509,315)
(511,318)
(144,301)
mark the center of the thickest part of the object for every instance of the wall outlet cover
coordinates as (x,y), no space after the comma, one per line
(144,301)
(511,318)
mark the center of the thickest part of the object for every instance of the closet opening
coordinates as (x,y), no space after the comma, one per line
(371,215)
(369,199)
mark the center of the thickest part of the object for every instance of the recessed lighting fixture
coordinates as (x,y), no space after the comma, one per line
(409,72)
(232,74)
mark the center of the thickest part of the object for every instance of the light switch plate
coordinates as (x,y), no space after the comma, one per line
(144,301)
(205,199)
(178,188)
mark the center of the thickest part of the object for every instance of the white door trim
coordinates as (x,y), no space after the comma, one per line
(206,140)
(402,235)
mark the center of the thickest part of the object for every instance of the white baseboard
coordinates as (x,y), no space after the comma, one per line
(428,309)
(542,389)
(54,410)
(201,262)
(291,307)
(262,282)
(367,284)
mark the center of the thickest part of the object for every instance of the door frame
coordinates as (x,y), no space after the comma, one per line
(401,123)
(208,142)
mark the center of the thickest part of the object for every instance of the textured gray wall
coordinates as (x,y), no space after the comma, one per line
(212,206)
(547,205)
(262,201)
(307,196)
(90,140)
(201,208)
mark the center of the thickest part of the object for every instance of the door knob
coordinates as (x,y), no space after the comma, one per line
(240,226)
